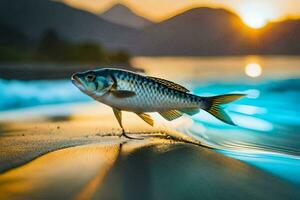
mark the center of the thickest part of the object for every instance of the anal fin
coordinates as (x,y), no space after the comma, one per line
(189,111)
(170,114)
(147,118)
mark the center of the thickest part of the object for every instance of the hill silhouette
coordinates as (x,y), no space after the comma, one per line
(120,14)
(208,31)
(280,38)
(34,17)
(200,31)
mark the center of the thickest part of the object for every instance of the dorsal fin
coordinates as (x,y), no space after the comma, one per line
(169,84)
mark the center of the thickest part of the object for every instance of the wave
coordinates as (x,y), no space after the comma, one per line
(19,94)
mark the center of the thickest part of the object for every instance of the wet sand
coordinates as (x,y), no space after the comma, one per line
(78,155)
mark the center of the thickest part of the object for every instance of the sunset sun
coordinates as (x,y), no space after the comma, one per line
(257,14)
(254,20)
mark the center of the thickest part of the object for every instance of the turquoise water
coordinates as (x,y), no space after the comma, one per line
(268,131)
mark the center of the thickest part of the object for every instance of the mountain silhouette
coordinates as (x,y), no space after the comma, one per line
(208,31)
(120,14)
(199,31)
(280,38)
(34,17)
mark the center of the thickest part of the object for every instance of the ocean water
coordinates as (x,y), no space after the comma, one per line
(267,134)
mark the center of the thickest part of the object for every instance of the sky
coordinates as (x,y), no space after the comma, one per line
(255,13)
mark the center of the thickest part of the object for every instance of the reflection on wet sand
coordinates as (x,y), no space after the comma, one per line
(145,169)
(58,173)
(124,148)
(75,172)
(188,172)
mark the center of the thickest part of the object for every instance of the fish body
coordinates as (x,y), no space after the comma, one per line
(150,95)
(128,91)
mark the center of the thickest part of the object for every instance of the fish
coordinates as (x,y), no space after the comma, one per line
(125,90)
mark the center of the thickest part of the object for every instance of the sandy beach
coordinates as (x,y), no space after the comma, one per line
(77,154)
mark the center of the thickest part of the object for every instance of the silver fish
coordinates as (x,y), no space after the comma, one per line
(128,91)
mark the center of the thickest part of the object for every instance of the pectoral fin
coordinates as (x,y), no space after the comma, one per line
(123,93)
(170,114)
(118,115)
(147,118)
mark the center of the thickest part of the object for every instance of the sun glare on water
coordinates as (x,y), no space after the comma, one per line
(253,70)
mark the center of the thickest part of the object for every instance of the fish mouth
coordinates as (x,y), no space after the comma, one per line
(75,79)
(77,82)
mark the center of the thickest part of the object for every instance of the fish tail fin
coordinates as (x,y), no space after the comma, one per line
(213,106)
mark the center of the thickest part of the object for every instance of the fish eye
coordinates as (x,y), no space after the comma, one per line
(90,77)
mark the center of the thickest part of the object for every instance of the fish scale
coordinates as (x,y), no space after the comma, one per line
(152,95)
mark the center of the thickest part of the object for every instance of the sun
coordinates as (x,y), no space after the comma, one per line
(254,20)
(253,70)
(256,13)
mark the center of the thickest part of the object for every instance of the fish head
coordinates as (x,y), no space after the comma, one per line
(94,83)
